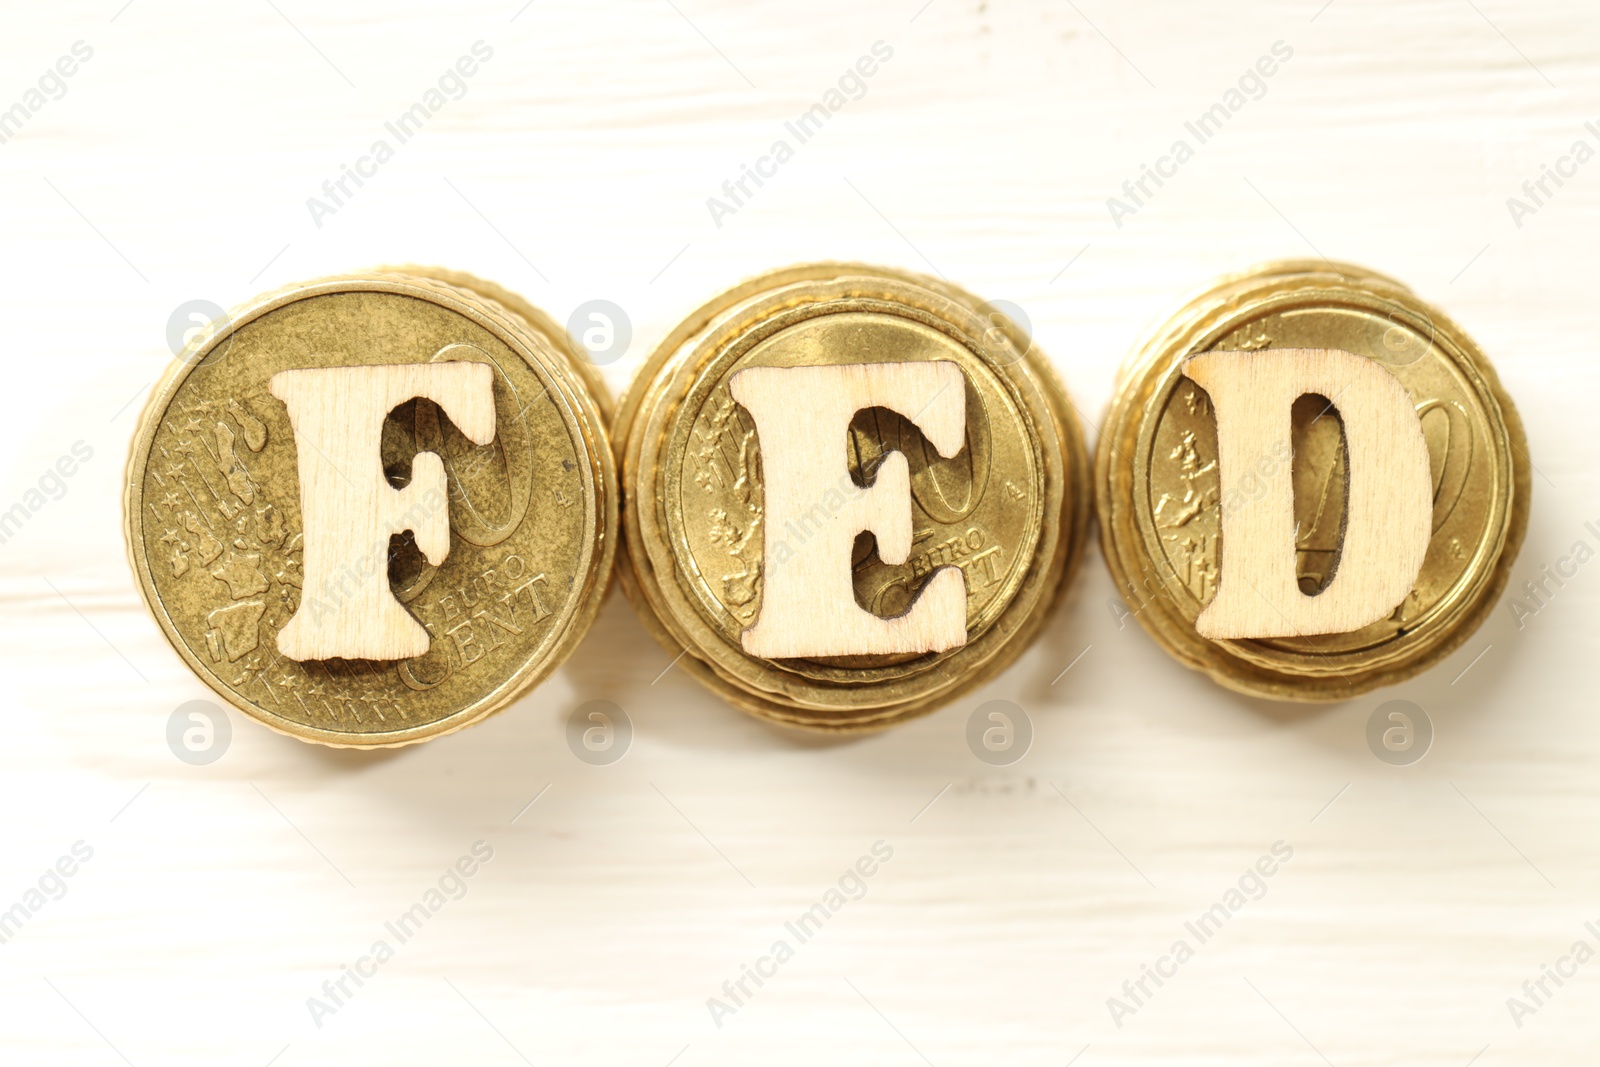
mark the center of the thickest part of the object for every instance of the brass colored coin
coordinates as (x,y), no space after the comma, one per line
(1158,486)
(1010,508)
(213,507)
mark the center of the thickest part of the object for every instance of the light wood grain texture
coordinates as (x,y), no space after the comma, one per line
(348,509)
(1019,898)
(812,511)
(1389,492)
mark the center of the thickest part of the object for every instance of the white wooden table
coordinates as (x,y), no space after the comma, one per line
(577,164)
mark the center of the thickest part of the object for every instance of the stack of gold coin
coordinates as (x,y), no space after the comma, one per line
(1010,508)
(214,507)
(1158,488)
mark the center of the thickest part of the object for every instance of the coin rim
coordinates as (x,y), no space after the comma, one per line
(637,576)
(1116,481)
(581,412)
(817,696)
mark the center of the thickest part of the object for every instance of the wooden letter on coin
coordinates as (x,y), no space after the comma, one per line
(1388,516)
(802,417)
(349,510)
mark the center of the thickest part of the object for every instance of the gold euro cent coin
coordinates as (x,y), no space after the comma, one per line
(374,509)
(1161,502)
(712,534)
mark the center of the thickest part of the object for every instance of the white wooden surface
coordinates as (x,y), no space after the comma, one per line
(577,165)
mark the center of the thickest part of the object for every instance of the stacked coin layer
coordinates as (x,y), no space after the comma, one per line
(1157,485)
(213,507)
(1010,508)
